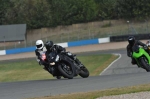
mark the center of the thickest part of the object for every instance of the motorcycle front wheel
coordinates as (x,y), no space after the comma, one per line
(145,64)
(84,72)
(66,69)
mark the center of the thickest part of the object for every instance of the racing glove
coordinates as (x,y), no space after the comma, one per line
(145,47)
(41,63)
(62,52)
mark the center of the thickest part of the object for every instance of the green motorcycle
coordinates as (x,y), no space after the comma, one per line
(142,57)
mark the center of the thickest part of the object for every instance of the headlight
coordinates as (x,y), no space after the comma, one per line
(53,63)
(69,53)
(57,58)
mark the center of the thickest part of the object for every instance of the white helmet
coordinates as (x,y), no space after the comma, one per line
(39,44)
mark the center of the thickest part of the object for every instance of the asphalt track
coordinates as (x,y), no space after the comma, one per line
(119,74)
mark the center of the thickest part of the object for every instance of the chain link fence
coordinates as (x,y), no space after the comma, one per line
(83,31)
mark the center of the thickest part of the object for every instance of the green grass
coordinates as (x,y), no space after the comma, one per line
(30,70)
(21,71)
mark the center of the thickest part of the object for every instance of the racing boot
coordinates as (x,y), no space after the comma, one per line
(51,70)
(133,61)
(44,68)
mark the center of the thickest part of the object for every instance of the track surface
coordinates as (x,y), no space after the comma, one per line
(119,74)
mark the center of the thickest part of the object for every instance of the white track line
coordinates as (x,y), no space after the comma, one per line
(111,64)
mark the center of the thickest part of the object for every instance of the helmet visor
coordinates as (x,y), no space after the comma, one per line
(131,42)
(39,46)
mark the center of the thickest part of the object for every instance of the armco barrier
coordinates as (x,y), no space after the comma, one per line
(88,42)
(125,37)
(104,40)
(66,44)
(83,42)
(20,50)
(2,52)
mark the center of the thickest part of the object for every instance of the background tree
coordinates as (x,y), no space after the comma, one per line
(130,9)
(66,12)
(4,6)
(35,13)
(106,9)
(51,13)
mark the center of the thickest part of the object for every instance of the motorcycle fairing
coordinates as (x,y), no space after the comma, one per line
(141,52)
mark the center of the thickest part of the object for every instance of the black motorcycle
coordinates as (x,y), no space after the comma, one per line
(63,65)
(58,65)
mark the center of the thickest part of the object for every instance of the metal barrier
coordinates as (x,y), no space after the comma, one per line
(67,44)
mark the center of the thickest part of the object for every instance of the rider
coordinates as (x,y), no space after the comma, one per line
(39,50)
(133,42)
(50,46)
(148,42)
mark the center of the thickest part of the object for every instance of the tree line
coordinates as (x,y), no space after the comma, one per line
(51,13)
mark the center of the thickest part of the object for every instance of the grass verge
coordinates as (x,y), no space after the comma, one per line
(28,70)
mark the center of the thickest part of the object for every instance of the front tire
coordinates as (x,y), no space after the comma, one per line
(84,72)
(145,64)
(66,70)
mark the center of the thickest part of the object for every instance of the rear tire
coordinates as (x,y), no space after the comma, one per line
(145,64)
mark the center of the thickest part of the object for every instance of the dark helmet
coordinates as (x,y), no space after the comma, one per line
(49,45)
(131,40)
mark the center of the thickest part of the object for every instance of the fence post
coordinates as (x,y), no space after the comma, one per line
(25,44)
(146,26)
(128,26)
(4,44)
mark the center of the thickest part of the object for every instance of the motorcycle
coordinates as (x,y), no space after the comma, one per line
(142,57)
(58,65)
(64,64)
